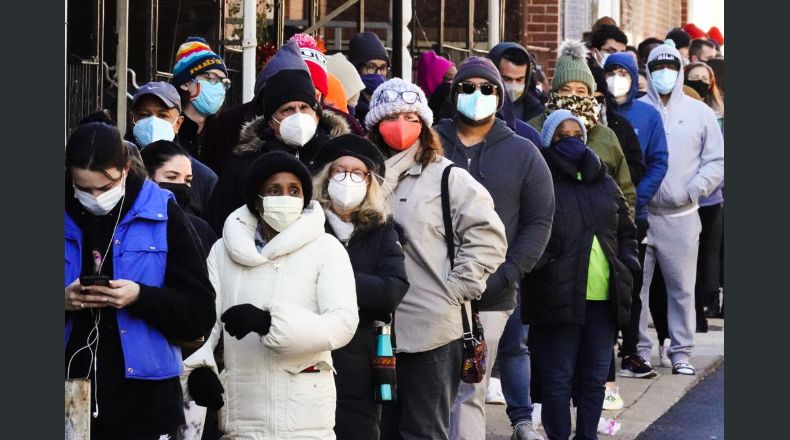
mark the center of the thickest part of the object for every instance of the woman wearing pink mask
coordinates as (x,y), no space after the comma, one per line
(427,322)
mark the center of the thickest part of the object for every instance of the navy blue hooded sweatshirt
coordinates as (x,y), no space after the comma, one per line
(516,175)
(649,128)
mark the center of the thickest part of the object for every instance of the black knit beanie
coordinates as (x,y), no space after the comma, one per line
(270,164)
(366,46)
(286,86)
(680,37)
(354,146)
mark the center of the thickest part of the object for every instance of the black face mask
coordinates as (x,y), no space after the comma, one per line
(700,87)
(640,94)
(182,191)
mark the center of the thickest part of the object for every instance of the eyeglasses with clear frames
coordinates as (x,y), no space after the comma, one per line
(390,95)
(213,78)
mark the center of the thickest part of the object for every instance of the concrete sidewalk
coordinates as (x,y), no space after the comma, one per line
(645,399)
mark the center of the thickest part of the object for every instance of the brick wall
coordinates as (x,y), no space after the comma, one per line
(651,18)
(541,27)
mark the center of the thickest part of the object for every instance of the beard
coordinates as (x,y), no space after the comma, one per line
(471,122)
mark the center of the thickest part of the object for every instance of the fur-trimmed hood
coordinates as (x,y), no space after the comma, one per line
(256,133)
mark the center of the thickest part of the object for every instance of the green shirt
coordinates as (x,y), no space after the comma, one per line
(597,274)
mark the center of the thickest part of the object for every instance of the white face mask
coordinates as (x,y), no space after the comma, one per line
(297,129)
(514,90)
(104,202)
(279,212)
(619,86)
(347,194)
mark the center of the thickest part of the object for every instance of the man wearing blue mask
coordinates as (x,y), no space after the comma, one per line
(368,55)
(696,167)
(513,171)
(156,115)
(201,79)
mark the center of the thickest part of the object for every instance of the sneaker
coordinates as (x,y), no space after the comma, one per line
(494,394)
(635,366)
(683,368)
(612,400)
(662,356)
(525,431)
(608,426)
(536,415)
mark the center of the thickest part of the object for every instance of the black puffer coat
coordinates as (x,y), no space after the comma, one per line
(380,274)
(555,292)
(257,139)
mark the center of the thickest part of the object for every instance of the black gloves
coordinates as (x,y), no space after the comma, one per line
(205,388)
(244,318)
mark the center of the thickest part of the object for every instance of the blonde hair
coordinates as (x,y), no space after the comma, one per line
(713,98)
(370,214)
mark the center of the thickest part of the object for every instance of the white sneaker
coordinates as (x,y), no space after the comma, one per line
(494,394)
(612,400)
(536,420)
(608,426)
(662,355)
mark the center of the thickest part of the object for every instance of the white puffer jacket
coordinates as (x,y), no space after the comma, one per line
(304,278)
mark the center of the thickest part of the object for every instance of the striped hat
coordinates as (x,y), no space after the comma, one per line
(193,58)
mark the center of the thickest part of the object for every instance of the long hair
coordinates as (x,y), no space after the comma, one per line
(713,98)
(430,146)
(372,213)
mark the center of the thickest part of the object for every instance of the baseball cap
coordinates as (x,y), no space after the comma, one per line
(162,90)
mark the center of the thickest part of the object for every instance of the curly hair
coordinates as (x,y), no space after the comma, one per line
(372,213)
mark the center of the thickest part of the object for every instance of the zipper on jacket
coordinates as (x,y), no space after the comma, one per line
(469,164)
(277,266)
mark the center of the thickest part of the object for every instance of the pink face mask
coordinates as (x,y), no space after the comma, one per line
(400,134)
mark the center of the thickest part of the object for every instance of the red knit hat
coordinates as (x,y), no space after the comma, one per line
(694,31)
(715,34)
(315,60)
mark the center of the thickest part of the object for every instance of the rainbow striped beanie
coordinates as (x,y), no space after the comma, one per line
(195,57)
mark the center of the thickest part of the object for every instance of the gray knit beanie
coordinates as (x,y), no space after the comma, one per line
(382,106)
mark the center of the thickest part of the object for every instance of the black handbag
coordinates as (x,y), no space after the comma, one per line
(475,350)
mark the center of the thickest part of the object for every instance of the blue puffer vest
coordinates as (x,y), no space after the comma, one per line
(139,254)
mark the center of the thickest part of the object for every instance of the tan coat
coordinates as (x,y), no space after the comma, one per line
(430,314)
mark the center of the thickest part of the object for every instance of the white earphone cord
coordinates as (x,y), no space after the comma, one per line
(91,339)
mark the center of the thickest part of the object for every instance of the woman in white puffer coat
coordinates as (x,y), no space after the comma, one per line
(286,296)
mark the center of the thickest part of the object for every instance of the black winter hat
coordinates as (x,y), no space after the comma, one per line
(270,164)
(354,146)
(286,86)
(366,46)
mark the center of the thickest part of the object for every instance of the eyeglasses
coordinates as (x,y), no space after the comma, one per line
(373,68)
(213,78)
(468,88)
(390,95)
(356,176)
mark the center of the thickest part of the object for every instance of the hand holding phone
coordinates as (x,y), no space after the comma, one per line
(95,280)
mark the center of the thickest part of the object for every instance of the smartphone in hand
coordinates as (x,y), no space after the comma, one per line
(95,280)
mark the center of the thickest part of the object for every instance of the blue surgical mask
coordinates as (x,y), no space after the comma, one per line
(210,97)
(476,106)
(664,80)
(152,129)
(372,81)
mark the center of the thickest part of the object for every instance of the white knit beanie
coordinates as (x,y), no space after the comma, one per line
(379,109)
(342,68)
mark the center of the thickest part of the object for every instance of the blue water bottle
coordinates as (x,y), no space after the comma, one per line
(384,366)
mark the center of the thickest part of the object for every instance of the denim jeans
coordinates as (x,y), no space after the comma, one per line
(574,360)
(514,367)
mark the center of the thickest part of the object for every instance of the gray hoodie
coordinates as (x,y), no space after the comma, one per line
(694,142)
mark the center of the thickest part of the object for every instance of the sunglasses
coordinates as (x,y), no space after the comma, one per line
(468,88)
(407,96)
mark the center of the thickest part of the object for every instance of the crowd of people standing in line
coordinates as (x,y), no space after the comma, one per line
(240,274)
